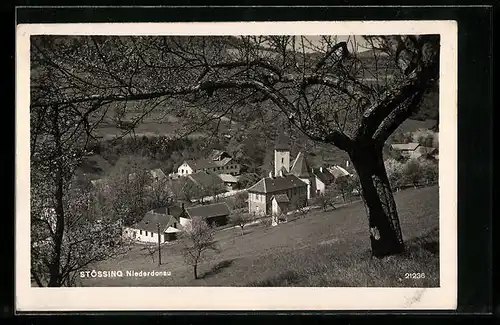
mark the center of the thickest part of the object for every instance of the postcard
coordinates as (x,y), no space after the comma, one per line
(236,166)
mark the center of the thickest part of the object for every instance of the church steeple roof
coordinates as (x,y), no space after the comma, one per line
(300,167)
(282,142)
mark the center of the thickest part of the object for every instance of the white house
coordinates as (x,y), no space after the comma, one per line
(280,206)
(155,223)
(323,178)
(282,186)
(224,166)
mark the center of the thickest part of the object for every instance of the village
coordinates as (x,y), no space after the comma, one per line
(203,183)
(292,185)
(291,190)
(209,190)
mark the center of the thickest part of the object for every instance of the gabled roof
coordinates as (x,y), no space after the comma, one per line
(174,210)
(275,184)
(227,178)
(223,162)
(201,164)
(209,210)
(324,175)
(153,218)
(282,142)
(281,198)
(300,167)
(206,179)
(405,146)
(338,171)
(217,154)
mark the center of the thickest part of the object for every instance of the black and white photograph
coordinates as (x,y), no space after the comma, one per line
(249,159)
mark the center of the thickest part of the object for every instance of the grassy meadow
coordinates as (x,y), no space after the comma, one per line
(321,249)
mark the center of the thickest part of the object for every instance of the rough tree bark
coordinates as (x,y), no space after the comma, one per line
(385,232)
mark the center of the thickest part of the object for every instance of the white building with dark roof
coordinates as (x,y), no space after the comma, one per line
(157,222)
(281,185)
(219,163)
(323,178)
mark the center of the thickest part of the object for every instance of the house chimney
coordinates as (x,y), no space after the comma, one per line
(182,206)
(168,210)
(321,169)
(347,163)
(270,174)
(281,172)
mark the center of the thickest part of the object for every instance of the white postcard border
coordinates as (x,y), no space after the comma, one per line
(29,298)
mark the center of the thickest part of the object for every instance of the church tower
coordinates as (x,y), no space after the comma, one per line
(301,169)
(281,154)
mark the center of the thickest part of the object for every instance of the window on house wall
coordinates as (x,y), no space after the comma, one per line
(152,234)
(146,233)
(140,232)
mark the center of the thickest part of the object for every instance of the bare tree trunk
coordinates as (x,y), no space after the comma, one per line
(195,271)
(54,279)
(385,232)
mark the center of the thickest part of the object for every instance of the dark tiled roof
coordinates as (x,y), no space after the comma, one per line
(281,198)
(201,164)
(209,210)
(206,179)
(324,175)
(275,184)
(300,167)
(282,142)
(223,161)
(175,211)
(217,154)
(151,220)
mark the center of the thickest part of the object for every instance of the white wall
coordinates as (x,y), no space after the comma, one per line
(257,203)
(184,167)
(184,221)
(142,237)
(281,159)
(320,186)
